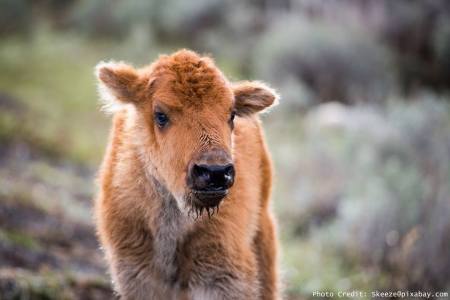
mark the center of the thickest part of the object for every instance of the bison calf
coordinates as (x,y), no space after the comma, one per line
(183,209)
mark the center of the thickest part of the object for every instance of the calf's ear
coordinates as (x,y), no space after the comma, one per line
(118,83)
(251,97)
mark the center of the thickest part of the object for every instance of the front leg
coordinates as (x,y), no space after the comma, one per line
(234,290)
(134,275)
(266,249)
(216,274)
(135,281)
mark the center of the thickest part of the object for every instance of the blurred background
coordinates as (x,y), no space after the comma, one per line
(361,139)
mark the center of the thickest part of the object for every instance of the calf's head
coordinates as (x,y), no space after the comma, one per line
(181,111)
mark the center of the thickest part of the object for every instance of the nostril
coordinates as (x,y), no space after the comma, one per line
(228,176)
(229,170)
(201,177)
(199,170)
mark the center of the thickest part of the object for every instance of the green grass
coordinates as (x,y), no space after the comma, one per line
(48,285)
(20,239)
(53,76)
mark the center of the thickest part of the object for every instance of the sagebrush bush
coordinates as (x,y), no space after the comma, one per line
(417,32)
(315,61)
(168,20)
(103,18)
(15,17)
(395,214)
(373,183)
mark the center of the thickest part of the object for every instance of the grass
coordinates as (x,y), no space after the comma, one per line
(53,77)
(47,285)
(20,239)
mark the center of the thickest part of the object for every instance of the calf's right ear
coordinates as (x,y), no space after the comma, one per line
(251,97)
(118,83)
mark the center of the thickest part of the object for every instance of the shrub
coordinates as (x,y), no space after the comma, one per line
(15,16)
(395,214)
(418,34)
(314,61)
(372,183)
(168,20)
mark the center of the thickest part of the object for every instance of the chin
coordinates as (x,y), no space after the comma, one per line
(208,202)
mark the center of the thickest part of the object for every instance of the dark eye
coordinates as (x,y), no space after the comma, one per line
(161,119)
(233,115)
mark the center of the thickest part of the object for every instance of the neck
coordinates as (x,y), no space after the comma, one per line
(169,230)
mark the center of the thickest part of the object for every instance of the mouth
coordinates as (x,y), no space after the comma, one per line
(210,198)
(206,200)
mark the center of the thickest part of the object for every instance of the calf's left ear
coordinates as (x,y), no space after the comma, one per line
(251,97)
(118,83)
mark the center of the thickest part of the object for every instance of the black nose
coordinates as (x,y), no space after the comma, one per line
(211,177)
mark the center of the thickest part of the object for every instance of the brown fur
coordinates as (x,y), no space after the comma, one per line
(156,248)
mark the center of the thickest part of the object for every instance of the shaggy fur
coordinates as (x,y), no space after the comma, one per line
(156,247)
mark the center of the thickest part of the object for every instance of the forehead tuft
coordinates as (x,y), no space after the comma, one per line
(193,78)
